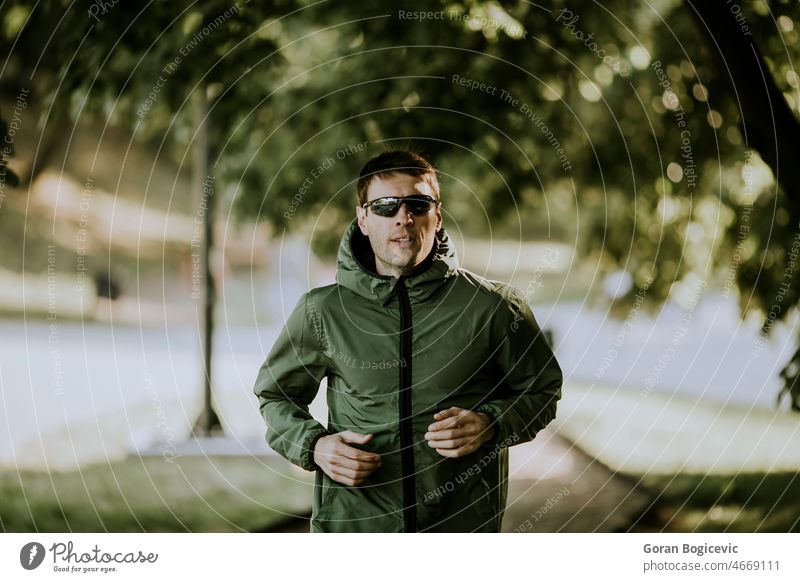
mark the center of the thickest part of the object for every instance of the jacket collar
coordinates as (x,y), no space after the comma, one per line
(356,268)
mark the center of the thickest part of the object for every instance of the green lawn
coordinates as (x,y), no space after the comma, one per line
(191,494)
(747,502)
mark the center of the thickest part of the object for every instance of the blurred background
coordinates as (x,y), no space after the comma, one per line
(174,176)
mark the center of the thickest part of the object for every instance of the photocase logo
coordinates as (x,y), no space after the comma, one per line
(31,555)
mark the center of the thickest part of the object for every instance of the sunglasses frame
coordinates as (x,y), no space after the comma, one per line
(416,197)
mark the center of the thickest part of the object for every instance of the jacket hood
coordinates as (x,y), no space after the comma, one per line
(356,268)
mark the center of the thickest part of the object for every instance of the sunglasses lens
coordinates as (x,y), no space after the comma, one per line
(418,206)
(386,208)
(390,206)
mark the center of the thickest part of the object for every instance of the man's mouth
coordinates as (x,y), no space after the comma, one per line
(403,241)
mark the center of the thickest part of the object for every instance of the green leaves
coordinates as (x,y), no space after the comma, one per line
(583,139)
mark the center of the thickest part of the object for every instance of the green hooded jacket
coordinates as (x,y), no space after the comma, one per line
(395,351)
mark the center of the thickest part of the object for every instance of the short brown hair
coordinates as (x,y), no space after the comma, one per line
(396,162)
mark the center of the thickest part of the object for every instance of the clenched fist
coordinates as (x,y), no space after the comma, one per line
(458,432)
(341,462)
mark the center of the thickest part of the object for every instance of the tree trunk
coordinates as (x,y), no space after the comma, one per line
(204,187)
(768,124)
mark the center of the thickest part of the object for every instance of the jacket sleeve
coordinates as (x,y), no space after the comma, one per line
(526,398)
(287,383)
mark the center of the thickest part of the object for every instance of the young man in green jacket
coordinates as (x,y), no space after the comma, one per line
(433,372)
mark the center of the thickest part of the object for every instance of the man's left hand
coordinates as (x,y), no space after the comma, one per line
(458,432)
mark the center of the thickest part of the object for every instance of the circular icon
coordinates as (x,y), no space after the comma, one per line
(31,555)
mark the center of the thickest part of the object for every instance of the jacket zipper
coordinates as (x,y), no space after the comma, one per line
(406,433)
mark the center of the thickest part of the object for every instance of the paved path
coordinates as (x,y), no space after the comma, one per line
(577,493)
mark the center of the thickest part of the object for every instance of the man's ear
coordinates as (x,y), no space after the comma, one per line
(438,219)
(361,213)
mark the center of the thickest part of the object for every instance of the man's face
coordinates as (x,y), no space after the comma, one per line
(394,255)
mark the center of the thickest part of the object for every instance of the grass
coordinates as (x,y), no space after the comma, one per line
(232,494)
(191,494)
(745,502)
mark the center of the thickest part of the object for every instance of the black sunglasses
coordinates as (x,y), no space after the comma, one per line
(389,205)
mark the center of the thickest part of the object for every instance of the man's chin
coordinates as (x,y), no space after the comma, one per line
(407,260)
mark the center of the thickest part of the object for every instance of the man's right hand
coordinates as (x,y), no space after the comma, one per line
(342,463)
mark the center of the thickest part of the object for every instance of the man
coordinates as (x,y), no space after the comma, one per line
(433,372)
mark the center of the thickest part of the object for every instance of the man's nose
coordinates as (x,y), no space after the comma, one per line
(403,215)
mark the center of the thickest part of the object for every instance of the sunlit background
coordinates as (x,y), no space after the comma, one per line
(631,167)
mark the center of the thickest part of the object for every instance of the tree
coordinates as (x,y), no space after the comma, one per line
(769,126)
